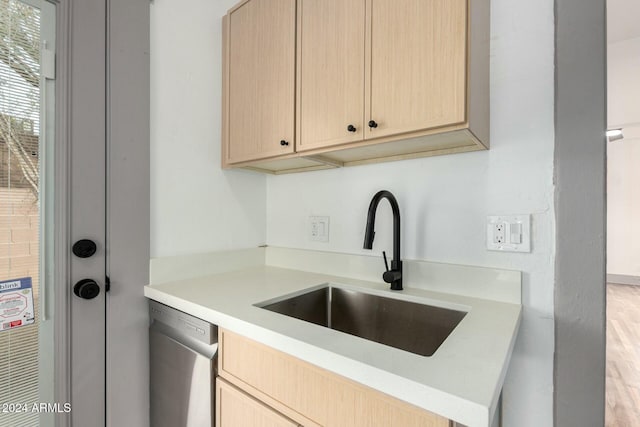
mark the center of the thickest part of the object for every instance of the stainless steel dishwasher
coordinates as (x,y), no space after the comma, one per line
(183,356)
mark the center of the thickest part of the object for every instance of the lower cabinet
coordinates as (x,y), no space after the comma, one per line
(235,408)
(260,386)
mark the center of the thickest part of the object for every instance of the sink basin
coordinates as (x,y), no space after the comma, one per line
(417,328)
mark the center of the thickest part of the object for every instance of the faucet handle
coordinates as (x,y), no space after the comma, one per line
(393,277)
(386,264)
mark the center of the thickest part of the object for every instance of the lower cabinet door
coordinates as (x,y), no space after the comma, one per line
(234,408)
(320,396)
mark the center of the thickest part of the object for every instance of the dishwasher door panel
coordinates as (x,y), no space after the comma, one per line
(181,382)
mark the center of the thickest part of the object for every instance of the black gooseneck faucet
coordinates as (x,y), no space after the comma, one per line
(393,276)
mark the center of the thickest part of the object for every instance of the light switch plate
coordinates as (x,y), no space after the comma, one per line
(509,233)
(319,228)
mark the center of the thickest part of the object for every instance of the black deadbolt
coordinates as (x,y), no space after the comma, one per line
(84,248)
(86,289)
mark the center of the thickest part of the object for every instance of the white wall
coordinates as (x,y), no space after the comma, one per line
(580,213)
(623,197)
(623,69)
(195,206)
(445,200)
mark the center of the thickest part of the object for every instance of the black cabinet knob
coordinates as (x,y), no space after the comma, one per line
(284,143)
(84,248)
(86,289)
(373,124)
(351,128)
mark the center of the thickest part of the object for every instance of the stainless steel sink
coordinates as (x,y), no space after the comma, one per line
(413,327)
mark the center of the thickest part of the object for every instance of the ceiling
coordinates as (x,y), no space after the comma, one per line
(623,20)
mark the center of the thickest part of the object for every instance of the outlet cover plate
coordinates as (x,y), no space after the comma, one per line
(319,228)
(509,233)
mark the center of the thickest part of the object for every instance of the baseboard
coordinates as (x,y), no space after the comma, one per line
(623,279)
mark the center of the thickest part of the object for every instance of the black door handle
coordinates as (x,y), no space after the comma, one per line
(84,248)
(373,124)
(86,289)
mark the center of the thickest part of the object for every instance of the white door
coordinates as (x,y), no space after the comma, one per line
(83,179)
(52,212)
(74,105)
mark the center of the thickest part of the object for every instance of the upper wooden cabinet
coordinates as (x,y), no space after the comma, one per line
(417,72)
(331,60)
(375,80)
(260,79)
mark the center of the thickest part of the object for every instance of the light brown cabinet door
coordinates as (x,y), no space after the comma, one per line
(261,40)
(418,65)
(235,408)
(331,38)
(322,398)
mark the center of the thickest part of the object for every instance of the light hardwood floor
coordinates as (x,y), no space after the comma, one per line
(623,356)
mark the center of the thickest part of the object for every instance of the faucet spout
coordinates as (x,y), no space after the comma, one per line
(393,276)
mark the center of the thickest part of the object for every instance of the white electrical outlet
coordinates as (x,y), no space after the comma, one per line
(499,234)
(509,233)
(319,228)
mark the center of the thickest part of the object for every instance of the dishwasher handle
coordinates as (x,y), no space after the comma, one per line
(207,350)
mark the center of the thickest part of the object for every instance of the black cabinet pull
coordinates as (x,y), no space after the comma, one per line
(284,143)
(373,124)
(351,128)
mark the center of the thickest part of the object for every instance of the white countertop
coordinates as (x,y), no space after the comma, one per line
(461,381)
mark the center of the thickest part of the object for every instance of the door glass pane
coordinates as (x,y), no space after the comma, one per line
(23,140)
